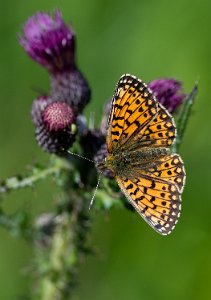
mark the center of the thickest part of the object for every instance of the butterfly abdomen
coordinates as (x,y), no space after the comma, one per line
(120,163)
(147,154)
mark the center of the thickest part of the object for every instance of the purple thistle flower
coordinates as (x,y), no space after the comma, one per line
(49,41)
(168,93)
(38,107)
(58,116)
(72,88)
(53,122)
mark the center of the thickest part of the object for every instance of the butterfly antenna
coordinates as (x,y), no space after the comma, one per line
(98,182)
(78,155)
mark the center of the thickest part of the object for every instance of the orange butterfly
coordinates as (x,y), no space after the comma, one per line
(139,136)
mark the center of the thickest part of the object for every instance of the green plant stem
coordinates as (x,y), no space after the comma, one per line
(64,252)
(15,182)
(184,117)
(6,222)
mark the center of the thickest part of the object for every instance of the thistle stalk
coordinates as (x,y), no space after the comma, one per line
(65,251)
(183,118)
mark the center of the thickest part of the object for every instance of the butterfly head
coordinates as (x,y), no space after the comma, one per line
(106,164)
(117,163)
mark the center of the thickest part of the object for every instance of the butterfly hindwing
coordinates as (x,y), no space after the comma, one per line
(171,169)
(157,201)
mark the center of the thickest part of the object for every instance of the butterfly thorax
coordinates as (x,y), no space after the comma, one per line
(122,162)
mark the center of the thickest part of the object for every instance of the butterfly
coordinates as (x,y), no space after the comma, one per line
(139,137)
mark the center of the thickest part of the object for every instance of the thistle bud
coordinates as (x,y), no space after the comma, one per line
(38,107)
(49,41)
(53,124)
(168,92)
(72,88)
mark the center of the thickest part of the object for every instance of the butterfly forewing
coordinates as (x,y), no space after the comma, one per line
(133,107)
(159,132)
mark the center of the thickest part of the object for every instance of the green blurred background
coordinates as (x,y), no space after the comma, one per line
(149,39)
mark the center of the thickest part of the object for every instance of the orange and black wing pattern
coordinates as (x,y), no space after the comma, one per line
(133,107)
(159,132)
(156,195)
(137,125)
